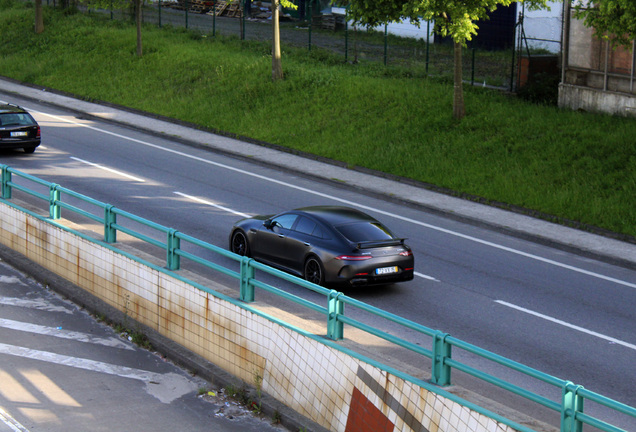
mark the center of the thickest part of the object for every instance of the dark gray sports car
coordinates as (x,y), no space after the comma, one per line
(326,245)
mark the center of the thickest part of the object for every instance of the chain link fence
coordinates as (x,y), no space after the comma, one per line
(491,64)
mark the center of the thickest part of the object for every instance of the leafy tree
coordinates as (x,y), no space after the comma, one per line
(615,19)
(455,19)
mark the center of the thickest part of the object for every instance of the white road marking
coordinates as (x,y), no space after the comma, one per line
(109,170)
(210,203)
(33,304)
(568,325)
(165,387)
(63,334)
(422,275)
(13,424)
(351,203)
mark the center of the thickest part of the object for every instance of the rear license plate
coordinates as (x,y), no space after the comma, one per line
(386,270)
(19,134)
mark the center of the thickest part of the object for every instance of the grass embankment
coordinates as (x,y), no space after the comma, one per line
(576,166)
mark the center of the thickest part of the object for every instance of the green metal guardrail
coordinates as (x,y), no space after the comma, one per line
(571,403)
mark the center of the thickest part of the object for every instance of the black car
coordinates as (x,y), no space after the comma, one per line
(326,245)
(18,129)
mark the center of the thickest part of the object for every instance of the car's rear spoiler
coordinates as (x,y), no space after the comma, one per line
(380,243)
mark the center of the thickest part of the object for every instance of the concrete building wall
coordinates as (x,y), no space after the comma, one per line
(596,77)
(332,388)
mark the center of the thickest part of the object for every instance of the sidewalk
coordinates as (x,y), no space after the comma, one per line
(558,236)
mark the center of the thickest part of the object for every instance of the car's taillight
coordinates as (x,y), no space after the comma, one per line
(406,253)
(37,134)
(353,257)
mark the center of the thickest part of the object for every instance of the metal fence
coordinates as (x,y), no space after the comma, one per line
(425,53)
(570,398)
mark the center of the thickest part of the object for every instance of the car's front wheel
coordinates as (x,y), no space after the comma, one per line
(239,244)
(314,271)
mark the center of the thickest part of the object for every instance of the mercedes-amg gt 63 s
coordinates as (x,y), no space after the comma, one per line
(326,245)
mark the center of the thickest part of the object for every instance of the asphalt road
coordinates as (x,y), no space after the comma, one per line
(62,370)
(560,312)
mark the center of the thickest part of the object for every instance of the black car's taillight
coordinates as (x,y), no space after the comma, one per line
(353,257)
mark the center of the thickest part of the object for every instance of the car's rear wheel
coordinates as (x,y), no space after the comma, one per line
(29,149)
(314,271)
(239,244)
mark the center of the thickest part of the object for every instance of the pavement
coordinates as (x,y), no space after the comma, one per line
(584,243)
(601,247)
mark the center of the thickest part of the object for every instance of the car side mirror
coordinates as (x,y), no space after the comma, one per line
(268,223)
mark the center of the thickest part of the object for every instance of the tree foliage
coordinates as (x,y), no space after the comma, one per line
(615,19)
(456,19)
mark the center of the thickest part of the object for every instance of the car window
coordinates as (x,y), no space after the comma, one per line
(305,226)
(284,221)
(320,233)
(309,227)
(365,231)
(16,119)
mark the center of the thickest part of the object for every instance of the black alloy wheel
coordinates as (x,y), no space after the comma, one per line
(239,244)
(314,272)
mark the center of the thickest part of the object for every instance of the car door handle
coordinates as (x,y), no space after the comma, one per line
(307,244)
(281,236)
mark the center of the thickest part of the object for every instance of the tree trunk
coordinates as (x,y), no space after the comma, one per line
(277,64)
(39,19)
(138,19)
(459,110)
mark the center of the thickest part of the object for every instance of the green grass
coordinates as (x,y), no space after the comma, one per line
(568,165)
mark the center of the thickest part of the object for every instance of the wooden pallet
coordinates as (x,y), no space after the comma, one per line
(234,10)
(230,9)
(219,8)
(328,22)
(197,6)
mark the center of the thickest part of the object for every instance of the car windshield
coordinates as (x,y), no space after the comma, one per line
(365,231)
(16,119)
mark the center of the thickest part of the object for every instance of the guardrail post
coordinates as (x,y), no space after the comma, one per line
(173,244)
(6,179)
(110,219)
(247,274)
(571,404)
(440,371)
(54,197)
(335,327)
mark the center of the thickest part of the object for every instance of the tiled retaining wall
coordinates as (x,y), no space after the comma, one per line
(334,389)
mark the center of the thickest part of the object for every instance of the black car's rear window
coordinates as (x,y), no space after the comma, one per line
(16,119)
(365,231)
